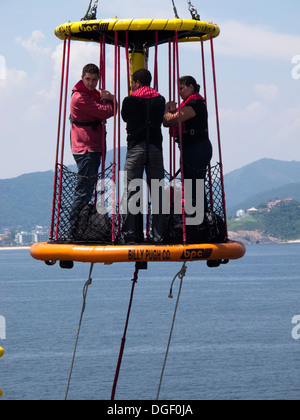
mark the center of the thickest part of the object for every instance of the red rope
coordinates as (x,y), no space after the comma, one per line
(155,62)
(58,137)
(65,103)
(180,142)
(103,129)
(113,235)
(102,85)
(119,141)
(171,138)
(203,70)
(174,99)
(102,78)
(205,97)
(63,138)
(127,64)
(218,130)
(170,98)
(134,281)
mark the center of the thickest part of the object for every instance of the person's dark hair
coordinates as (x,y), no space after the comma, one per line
(189,80)
(143,76)
(90,68)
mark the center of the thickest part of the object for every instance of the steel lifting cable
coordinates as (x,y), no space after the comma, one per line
(85,290)
(175,10)
(181,275)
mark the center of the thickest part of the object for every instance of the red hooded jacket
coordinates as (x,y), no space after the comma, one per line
(87,107)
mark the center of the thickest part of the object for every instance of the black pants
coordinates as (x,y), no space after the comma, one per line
(196,158)
(138,160)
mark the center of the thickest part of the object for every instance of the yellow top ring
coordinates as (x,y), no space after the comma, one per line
(141,31)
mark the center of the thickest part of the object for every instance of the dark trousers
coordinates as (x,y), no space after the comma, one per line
(196,158)
(138,160)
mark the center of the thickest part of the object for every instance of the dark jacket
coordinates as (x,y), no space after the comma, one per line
(196,129)
(144,114)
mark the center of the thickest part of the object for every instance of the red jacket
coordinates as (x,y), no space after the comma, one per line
(86,107)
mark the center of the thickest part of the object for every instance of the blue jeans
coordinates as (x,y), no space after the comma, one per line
(88,167)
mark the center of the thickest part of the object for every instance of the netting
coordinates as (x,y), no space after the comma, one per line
(213,227)
(87,210)
(97,220)
(86,220)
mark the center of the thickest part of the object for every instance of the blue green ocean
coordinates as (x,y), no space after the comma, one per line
(233,335)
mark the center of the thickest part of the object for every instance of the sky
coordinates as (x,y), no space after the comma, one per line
(257,63)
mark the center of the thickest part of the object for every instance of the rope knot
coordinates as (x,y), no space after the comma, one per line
(182,271)
(181,275)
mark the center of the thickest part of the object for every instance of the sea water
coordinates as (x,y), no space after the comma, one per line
(232,339)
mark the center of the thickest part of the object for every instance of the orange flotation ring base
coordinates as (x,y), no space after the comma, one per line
(108,254)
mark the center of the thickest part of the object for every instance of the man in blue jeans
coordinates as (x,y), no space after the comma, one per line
(143,112)
(89,109)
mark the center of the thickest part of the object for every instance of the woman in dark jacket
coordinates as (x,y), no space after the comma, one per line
(196,146)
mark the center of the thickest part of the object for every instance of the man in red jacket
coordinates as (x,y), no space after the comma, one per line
(88,111)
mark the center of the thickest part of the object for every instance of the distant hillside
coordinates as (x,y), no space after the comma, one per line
(286,191)
(262,176)
(281,221)
(27,200)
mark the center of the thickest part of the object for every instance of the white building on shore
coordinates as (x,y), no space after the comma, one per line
(39,234)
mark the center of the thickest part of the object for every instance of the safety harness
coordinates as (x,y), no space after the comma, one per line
(94,124)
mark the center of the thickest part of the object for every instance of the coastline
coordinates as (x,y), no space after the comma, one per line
(248,237)
(14,248)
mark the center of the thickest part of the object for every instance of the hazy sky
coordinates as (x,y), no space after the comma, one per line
(257,62)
